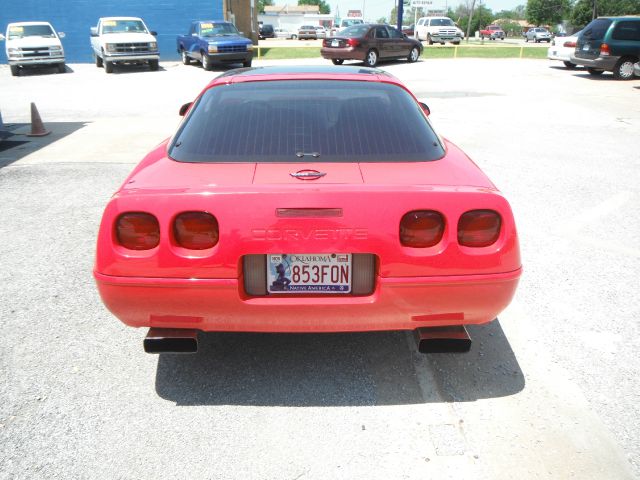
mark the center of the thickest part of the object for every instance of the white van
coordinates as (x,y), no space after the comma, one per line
(31,44)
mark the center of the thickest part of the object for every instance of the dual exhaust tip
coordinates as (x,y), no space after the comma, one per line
(452,339)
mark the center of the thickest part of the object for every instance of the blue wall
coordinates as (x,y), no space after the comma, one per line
(76,17)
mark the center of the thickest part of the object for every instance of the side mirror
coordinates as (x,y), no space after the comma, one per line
(61,34)
(94,31)
(184,108)
(155,34)
(425,108)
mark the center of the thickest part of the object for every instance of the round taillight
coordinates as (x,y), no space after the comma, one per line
(479,228)
(138,231)
(196,230)
(421,228)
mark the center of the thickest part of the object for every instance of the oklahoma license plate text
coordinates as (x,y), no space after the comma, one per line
(309,273)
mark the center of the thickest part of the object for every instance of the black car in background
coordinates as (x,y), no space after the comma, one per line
(266,31)
(609,44)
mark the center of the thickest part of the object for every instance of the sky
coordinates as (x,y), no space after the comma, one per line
(374,9)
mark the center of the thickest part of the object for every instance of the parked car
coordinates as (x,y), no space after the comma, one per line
(438,30)
(124,40)
(266,31)
(214,41)
(321,32)
(561,49)
(636,69)
(306,199)
(33,44)
(307,32)
(537,35)
(284,33)
(610,44)
(492,32)
(409,30)
(370,43)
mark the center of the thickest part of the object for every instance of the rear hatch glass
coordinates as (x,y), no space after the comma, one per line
(590,40)
(306,121)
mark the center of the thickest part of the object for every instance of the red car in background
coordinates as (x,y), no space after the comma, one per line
(306,199)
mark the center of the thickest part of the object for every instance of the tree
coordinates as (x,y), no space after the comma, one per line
(324,6)
(547,12)
(264,3)
(408,15)
(382,20)
(582,12)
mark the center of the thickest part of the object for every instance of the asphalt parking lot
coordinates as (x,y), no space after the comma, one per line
(549,390)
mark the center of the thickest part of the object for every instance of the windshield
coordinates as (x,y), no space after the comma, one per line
(20,31)
(287,121)
(597,29)
(442,22)
(355,31)
(221,29)
(123,26)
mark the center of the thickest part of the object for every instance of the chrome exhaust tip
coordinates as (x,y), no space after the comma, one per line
(171,340)
(452,339)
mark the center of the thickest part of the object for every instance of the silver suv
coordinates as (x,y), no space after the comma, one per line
(538,34)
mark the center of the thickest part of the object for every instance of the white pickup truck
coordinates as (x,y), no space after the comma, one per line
(124,40)
(30,44)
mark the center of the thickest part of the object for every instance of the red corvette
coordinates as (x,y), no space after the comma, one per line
(306,199)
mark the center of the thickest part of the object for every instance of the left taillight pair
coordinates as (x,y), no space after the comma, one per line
(191,230)
(425,228)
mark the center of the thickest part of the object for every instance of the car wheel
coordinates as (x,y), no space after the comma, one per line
(293,37)
(154,65)
(62,68)
(337,61)
(456,43)
(526,39)
(569,65)
(98,61)
(413,55)
(108,66)
(15,70)
(185,58)
(206,61)
(595,71)
(624,69)
(429,41)
(246,64)
(371,60)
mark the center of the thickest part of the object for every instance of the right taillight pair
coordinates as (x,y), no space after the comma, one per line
(192,230)
(424,228)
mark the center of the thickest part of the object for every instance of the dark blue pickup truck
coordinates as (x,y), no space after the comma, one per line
(214,41)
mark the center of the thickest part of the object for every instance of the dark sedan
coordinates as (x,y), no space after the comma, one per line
(370,44)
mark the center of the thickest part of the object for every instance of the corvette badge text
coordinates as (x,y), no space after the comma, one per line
(314,234)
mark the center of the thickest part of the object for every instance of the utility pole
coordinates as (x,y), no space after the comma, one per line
(595,10)
(471,18)
(400,13)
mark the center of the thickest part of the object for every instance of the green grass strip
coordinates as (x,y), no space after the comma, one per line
(283,53)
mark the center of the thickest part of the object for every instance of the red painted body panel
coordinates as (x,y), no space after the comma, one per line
(172,287)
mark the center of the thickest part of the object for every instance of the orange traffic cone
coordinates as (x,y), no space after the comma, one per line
(37,127)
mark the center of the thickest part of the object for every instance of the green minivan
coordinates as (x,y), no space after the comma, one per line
(610,44)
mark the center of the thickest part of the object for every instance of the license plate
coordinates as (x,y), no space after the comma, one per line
(585,48)
(309,273)
(335,43)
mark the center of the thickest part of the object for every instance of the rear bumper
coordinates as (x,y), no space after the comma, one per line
(346,53)
(601,63)
(404,303)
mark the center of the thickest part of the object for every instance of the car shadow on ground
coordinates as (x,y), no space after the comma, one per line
(127,69)
(42,71)
(355,369)
(15,144)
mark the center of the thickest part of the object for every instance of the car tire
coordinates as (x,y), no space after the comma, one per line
(294,37)
(371,60)
(569,65)
(98,61)
(526,39)
(414,54)
(337,61)
(62,68)
(429,40)
(624,69)
(154,65)
(206,61)
(246,64)
(108,66)
(185,58)
(15,70)
(456,43)
(595,71)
